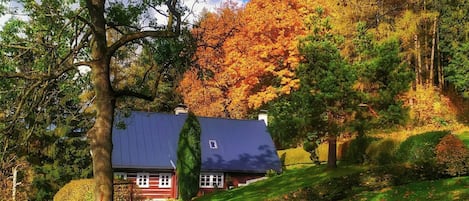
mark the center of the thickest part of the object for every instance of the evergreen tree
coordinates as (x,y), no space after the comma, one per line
(189,158)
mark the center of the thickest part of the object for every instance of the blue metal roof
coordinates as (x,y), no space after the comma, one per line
(150,140)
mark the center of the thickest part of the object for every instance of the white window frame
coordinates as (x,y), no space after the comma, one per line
(164,180)
(214,143)
(143,180)
(209,180)
(120,175)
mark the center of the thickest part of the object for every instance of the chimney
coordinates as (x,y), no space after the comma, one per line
(181,109)
(263,116)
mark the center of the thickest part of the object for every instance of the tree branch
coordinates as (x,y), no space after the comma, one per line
(138,35)
(129,93)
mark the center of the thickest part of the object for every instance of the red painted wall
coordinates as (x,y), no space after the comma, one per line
(153,191)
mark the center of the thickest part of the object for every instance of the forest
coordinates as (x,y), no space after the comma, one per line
(323,69)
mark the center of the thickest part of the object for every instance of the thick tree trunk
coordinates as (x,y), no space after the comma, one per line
(101,134)
(332,152)
(101,147)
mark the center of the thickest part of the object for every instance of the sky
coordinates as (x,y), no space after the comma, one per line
(197,5)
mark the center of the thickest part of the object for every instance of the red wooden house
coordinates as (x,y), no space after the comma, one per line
(233,152)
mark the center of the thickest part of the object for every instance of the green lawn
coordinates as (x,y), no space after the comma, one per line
(294,157)
(297,180)
(278,187)
(289,181)
(464,137)
(453,189)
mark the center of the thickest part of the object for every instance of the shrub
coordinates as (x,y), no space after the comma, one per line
(382,152)
(76,190)
(452,156)
(355,151)
(418,151)
(189,158)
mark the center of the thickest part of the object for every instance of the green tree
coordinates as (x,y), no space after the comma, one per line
(189,158)
(38,106)
(330,81)
(453,37)
(457,71)
(383,77)
(40,58)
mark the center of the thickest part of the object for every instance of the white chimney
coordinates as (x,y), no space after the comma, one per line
(181,109)
(263,116)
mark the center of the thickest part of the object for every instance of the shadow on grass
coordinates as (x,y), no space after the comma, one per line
(453,189)
(289,181)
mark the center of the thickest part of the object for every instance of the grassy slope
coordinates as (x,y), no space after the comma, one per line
(464,137)
(289,181)
(441,190)
(295,179)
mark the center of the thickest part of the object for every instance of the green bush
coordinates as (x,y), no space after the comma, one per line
(76,190)
(355,151)
(382,152)
(418,151)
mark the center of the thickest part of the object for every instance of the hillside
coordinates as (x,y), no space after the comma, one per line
(351,184)
(348,182)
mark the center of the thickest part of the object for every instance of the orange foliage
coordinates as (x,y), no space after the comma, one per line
(452,155)
(246,57)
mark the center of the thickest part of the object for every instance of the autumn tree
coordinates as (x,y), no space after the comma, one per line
(43,56)
(254,61)
(204,86)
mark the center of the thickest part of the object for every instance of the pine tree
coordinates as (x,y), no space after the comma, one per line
(189,158)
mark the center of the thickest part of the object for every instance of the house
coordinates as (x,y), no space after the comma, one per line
(234,152)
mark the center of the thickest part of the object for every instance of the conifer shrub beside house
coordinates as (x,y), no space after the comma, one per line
(189,158)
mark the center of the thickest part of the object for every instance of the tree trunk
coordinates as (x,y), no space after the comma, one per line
(332,152)
(101,134)
(15,174)
(418,70)
(439,67)
(432,59)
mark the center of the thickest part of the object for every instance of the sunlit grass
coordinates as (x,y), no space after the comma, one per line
(289,181)
(295,156)
(447,189)
(464,136)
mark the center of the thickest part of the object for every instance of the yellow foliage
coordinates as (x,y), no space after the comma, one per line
(429,107)
(76,190)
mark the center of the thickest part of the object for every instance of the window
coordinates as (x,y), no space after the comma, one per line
(143,180)
(165,180)
(120,175)
(213,144)
(211,180)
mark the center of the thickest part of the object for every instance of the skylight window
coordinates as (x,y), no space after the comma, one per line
(213,144)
